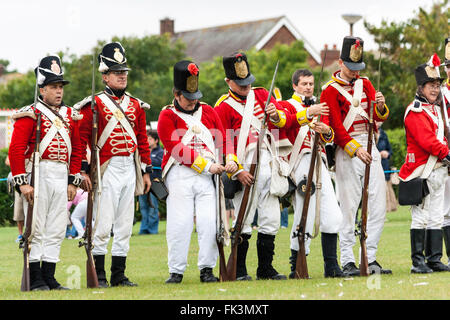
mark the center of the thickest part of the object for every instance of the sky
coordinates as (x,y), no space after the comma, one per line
(32,29)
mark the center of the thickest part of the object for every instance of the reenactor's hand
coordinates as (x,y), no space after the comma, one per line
(28,192)
(363,155)
(271,110)
(379,98)
(231,167)
(245,178)
(86,185)
(71,192)
(322,128)
(316,109)
(216,168)
(147,182)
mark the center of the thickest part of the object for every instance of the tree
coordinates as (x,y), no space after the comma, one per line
(262,66)
(404,46)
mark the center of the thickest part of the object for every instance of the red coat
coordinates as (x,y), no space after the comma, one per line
(171,129)
(118,143)
(421,139)
(297,120)
(231,119)
(339,107)
(24,138)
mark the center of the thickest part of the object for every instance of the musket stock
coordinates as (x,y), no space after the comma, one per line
(301,266)
(364,264)
(25,244)
(91,274)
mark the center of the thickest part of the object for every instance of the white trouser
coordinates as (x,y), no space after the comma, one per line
(430,214)
(77,216)
(267,205)
(447,203)
(190,194)
(330,213)
(350,182)
(50,221)
(116,207)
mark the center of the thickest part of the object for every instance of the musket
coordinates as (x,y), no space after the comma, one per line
(301,266)
(237,229)
(362,225)
(223,275)
(91,274)
(25,243)
(364,264)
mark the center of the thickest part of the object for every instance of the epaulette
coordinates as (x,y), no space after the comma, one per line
(76,114)
(221,99)
(79,105)
(144,105)
(327,84)
(167,107)
(27,111)
(417,107)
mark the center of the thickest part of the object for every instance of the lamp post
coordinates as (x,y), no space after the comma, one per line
(351,19)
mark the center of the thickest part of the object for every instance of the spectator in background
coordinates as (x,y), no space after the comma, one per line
(78,216)
(385,149)
(148,203)
(19,215)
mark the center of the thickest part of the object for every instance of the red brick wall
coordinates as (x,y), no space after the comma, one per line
(283,36)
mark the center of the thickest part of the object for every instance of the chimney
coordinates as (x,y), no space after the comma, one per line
(166,26)
(332,54)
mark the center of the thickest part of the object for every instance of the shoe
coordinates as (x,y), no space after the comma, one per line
(103,283)
(41,288)
(48,274)
(99,261)
(329,252)
(37,282)
(19,238)
(206,275)
(175,278)
(124,283)
(60,287)
(265,245)
(350,270)
(433,250)
(375,267)
(118,278)
(244,278)
(417,247)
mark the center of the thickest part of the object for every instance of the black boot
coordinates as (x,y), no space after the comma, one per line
(48,273)
(175,278)
(433,250)
(118,278)
(266,249)
(329,252)
(417,248)
(241,268)
(206,275)
(293,263)
(99,262)
(446,234)
(37,282)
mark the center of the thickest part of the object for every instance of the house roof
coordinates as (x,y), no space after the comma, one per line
(203,44)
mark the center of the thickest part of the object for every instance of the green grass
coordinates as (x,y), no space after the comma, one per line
(147,266)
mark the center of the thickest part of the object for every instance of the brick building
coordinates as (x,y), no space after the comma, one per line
(207,43)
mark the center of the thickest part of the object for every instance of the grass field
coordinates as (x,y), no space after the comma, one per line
(147,266)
